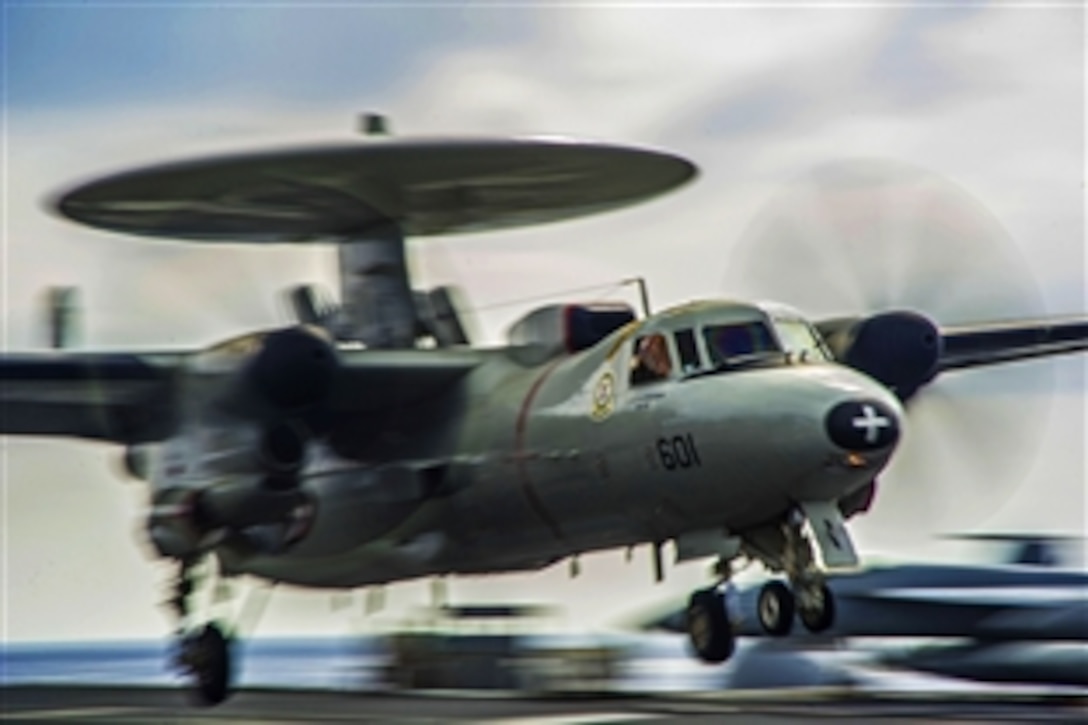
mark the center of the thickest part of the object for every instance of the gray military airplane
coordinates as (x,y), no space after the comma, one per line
(369,443)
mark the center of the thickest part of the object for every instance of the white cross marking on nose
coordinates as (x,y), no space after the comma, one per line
(871,423)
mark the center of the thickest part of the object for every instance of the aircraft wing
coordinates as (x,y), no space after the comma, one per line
(120,397)
(1061,620)
(133,398)
(972,346)
(374,380)
(1010,597)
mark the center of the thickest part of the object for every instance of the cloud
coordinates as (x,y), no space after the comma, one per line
(70,54)
(991,98)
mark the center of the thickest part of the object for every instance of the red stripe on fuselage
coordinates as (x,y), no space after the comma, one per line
(520,456)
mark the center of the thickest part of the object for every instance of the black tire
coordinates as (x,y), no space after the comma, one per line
(709,632)
(819,619)
(776,607)
(209,660)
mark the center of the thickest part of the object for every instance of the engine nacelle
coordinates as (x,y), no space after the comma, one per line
(900,349)
(270,394)
(281,453)
(245,501)
(172,526)
(187,522)
(257,486)
(254,484)
(285,374)
(294,369)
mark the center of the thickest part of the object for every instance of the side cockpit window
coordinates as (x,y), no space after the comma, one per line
(739,341)
(650,361)
(688,351)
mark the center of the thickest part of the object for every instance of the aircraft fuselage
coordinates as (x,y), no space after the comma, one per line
(524,463)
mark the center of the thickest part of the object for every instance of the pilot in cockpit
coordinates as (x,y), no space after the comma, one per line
(651,359)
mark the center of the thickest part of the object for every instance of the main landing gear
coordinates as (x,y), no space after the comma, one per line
(713,613)
(203,653)
(709,630)
(813,603)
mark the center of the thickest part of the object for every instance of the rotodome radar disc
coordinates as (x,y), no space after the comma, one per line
(423,186)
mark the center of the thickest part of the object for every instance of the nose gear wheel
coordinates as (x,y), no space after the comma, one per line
(818,612)
(775,607)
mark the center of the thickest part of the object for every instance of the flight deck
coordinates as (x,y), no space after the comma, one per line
(121,705)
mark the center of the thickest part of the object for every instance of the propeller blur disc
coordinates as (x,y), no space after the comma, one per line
(862,236)
(858,237)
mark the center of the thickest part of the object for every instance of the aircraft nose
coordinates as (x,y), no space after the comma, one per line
(862,424)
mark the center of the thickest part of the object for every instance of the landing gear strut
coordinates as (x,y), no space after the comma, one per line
(204,652)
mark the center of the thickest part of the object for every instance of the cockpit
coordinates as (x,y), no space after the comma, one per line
(722,336)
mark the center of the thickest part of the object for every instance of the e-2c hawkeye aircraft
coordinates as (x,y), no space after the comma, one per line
(369,443)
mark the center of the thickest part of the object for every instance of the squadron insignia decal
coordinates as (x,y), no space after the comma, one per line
(604,397)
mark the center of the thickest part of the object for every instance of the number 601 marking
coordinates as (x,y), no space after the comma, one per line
(678,452)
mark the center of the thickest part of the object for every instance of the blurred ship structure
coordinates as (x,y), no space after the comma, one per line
(498,646)
(1019,626)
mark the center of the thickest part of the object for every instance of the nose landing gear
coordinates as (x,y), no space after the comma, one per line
(807,594)
(818,612)
(785,546)
(775,608)
(812,601)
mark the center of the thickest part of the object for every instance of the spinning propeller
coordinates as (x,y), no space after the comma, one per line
(888,257)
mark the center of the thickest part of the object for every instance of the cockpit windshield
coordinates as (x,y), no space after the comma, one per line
(731,343)
(800,340)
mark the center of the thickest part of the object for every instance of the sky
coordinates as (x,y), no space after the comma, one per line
(985,100)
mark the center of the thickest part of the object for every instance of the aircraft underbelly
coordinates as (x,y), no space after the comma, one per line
(492,518)
(354,510)
(540,475)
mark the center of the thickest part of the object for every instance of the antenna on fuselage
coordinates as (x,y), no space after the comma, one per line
(643,293)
